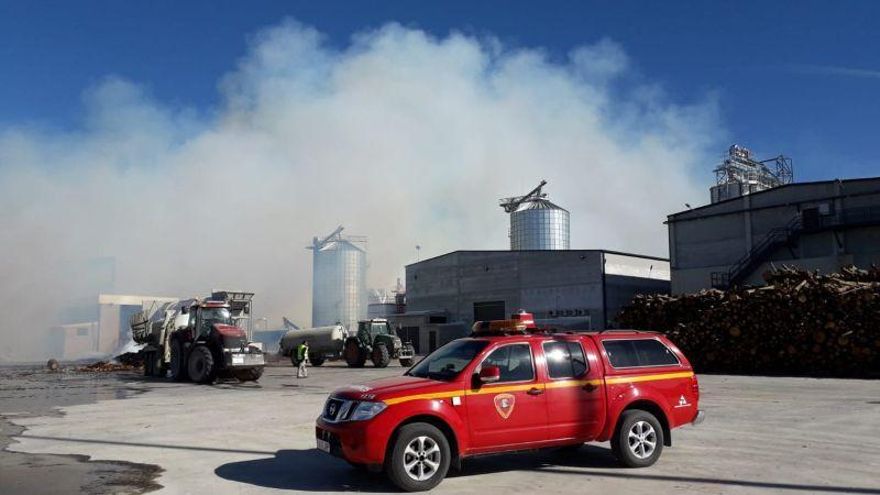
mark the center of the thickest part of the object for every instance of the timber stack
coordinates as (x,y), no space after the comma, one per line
(800,323)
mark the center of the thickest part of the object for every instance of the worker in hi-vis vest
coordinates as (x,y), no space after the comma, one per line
(302,355)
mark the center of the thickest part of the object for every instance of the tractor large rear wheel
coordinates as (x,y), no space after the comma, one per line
(201,365)
(178,363)
(353,355)
(248,374)
(381,357)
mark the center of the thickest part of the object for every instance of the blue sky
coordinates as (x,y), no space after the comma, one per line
(800,78)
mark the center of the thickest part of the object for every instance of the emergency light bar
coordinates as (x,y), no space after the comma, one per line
(520,322)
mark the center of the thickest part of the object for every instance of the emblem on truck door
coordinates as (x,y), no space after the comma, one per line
(504,404)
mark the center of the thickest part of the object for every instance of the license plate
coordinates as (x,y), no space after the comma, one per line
(324,445)
(238,359)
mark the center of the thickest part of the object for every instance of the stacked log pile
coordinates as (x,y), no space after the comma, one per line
(800,323)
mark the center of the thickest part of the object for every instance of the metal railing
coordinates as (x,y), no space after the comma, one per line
(850,217)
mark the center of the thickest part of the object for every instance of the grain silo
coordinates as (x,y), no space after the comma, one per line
(537,223)
(339,277)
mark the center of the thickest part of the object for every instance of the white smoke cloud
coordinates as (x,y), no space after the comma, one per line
(401,136)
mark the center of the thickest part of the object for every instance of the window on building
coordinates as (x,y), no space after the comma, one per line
(514,361)
(489,310)
(565,359)
(643,352)
(82,332)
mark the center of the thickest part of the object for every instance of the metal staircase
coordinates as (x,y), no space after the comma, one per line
(775,238)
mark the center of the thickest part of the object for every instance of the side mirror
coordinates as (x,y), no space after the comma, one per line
(490,374)
(181,321)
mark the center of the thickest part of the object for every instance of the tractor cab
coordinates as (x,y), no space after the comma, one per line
(368,330)
(208,315)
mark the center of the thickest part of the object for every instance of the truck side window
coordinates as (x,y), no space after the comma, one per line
(565,359)
(635,353)
(514,361)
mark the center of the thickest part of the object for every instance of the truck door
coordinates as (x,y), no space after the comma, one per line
(575,391)
(512,412)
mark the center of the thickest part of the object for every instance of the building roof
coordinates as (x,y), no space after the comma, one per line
(508,251)
(707,209)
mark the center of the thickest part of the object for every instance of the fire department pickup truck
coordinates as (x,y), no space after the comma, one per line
(510,387)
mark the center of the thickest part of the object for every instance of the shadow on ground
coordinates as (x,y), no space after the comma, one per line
(311,470)
(304,470)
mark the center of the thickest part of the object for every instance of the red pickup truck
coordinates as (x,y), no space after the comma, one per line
(510,387)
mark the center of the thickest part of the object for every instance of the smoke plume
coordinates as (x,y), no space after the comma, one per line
(399,135)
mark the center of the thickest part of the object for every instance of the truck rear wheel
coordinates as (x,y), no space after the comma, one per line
(638,439)
(201,365)
(381,357)
(248,374)
(178,363)
(419,459)
(353,355)
(406,362)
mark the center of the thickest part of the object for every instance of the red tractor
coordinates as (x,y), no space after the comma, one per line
(199,340)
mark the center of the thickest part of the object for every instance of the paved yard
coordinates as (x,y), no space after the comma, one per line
(761,435)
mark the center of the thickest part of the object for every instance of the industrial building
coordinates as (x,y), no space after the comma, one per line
(574,289)
(759,217)
(339,280)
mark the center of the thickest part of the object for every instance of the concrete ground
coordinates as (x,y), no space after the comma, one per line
(761,435)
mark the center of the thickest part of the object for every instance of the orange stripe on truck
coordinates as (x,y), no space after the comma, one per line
(500,389)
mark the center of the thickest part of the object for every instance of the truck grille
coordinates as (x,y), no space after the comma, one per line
(336,410)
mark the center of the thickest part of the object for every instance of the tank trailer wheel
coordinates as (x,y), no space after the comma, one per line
(638,439)
(381,357)
(201,365)
(178,365)
(148,364)
(419,458)
(316,359)
(248,374)
(353,355)
(293,360)
(157,368)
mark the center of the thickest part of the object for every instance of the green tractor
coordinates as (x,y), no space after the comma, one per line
(377,341)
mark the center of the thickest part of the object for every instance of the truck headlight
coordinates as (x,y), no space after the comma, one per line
(367,410)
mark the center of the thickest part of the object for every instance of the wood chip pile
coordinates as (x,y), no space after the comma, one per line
(800,323)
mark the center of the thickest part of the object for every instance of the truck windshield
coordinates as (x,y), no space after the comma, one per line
(448,361)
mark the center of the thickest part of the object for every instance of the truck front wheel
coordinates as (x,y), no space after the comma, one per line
(638,439)
(419,459)
(178,363)
(201,365)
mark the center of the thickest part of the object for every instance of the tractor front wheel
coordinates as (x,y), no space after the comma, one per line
(381,357)
(201,365)
(248,374)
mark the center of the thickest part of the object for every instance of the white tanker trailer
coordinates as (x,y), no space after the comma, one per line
(324,343)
